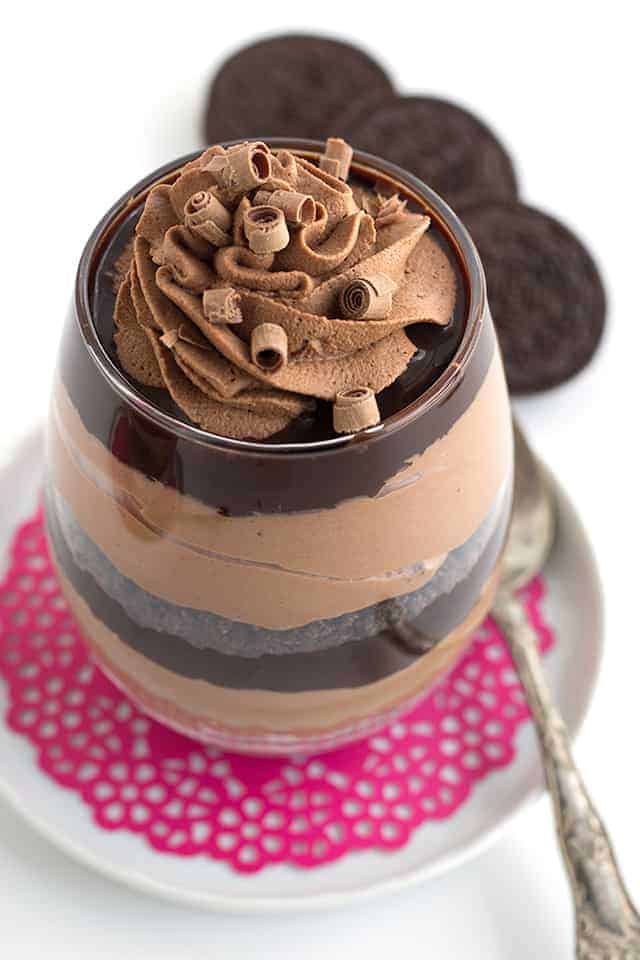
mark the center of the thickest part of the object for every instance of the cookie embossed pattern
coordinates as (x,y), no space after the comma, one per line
(187,799)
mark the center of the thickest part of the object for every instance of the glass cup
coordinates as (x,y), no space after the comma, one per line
(278,598)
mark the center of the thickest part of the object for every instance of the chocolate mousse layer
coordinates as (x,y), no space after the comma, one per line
(262,720)
(346,651)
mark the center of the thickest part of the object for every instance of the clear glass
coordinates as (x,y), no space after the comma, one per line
(283,598)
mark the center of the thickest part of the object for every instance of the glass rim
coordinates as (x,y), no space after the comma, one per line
(448,222)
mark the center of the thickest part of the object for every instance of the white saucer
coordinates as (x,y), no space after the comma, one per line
(573,607)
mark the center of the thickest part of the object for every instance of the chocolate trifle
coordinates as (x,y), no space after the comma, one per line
(279,445)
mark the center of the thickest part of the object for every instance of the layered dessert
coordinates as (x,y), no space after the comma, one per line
(279,445)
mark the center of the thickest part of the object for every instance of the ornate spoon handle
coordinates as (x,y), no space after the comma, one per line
(607,924)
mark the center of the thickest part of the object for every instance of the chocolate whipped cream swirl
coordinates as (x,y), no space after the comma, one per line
(260,283)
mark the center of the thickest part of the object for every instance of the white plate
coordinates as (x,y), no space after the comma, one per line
(573,606)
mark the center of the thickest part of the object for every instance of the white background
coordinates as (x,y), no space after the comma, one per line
(96,95)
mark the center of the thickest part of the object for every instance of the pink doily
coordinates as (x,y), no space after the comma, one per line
(187,799)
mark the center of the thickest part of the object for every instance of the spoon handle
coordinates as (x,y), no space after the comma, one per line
(607,924)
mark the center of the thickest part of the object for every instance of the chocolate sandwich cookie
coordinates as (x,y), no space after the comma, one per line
(447,147)
(288,85)
(545,293)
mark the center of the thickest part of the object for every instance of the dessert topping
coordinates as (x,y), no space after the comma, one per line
(367,298)
(265,229)
(222,305)
(337,157)
(260,284)
(242,168)
(269,347)
(299,208)
(206,216)
(355,410)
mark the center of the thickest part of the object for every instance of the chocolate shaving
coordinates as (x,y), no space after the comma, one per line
(194,180)
(269,347)
(367,298)
(337,157)
(222,305)
(241,169)
(299,209)
(206,216)
(330,191)
(331,165)
(265,229)
(354,410)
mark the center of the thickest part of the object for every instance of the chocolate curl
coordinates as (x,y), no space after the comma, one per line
(355,410)
(242,168)
(299,208)
(208,218)
(367,298)
(337,157)
(269,347)
(336,196)
(331,166)
(222,305)
(265,229)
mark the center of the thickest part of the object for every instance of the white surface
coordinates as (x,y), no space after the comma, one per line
(573,606)
(94,95)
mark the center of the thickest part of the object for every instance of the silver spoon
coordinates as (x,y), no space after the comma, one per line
(607,923)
